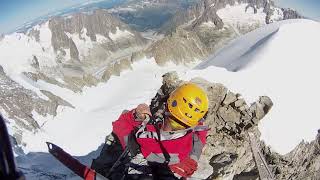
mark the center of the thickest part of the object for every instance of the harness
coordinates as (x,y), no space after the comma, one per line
(151,133)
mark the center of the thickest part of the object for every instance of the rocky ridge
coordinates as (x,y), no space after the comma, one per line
(21,104)
(213,29)
(228,150)
(206,10)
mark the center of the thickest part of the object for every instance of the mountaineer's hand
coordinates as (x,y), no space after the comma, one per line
(185,168)
(142,111)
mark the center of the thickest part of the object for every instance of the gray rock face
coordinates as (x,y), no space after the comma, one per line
(205,10)
(19,103)
(2,73)
(228,148)
(116,68)
(35,62)
(187,47)
(97,22)
(291,14)
(301,163)
(209,13)
(35,33)
(212,37)
(74,53)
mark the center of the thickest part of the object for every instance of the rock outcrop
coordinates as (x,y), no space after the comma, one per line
(99,22)
(206,11)
(303,162)
(203,20)
(19,104)
(187,48)
(291,14)
(228,149)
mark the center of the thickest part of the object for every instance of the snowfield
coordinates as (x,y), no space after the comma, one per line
(280,60)
(230,15)
(84,128)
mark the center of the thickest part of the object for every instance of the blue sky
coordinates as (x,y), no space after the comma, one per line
(14,13)
(309,8)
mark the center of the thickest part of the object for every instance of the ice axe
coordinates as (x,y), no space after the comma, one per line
(73,164)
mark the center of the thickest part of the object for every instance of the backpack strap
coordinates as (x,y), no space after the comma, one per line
(163,149)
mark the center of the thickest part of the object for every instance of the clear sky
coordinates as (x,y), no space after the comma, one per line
(308,8)
(14,13)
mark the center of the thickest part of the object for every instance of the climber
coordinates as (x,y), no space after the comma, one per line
(163,146)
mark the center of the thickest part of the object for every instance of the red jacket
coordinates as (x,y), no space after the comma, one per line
(179,144)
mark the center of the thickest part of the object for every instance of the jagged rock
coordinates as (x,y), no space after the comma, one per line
(51,80)
(116,68)
(19,104)
(229,115)
(98,22)
(56,99)
(2,71)
(89,80)
(35,62)
(230,98)
(74,53)
(136,56)
(228,148)
(291,14)
(78,82)
(35,33)
(209,14)
(202,20)
(239,103)
(301,163)
(187,48)
(106,74)
(170,81)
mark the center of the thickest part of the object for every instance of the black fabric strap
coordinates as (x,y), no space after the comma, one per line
(163,149)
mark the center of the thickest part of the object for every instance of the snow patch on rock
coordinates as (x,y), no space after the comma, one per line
(238,14)
(18,51)
(277,15)
(104,103)
(209,24)
(101,39)
(120,34)
(82,41)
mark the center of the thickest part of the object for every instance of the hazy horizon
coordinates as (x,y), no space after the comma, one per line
(15,13)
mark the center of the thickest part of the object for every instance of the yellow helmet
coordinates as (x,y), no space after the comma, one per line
(188,104)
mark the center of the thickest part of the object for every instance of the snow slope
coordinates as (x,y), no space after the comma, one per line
(84,128)
(17,51)
(281,61)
